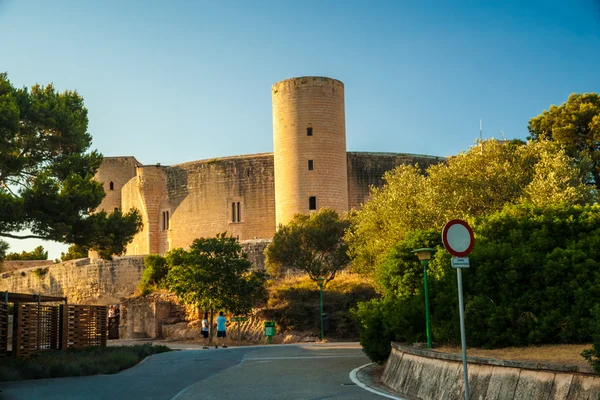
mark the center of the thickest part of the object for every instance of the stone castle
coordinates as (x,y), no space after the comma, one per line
(249,196)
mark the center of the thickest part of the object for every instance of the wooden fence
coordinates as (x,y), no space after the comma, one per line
(36,328)
(3,328)
(83,326)
(39,327)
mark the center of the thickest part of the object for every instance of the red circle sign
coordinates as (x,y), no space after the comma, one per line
(458,238)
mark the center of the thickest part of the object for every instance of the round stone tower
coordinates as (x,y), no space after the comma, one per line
(309,146)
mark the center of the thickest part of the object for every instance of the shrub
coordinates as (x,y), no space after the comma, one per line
(40,272)
(154,274)
(593,355)
(385,320)
(534,279)
(76,362)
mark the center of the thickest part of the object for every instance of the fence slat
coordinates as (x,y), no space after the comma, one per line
(4,328)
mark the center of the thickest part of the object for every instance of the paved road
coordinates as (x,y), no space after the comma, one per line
(303,371)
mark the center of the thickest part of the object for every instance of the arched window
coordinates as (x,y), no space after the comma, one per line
(112,186)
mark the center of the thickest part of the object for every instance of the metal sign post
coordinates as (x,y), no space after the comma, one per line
(458,239)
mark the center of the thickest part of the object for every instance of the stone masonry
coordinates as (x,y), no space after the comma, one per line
(249,196)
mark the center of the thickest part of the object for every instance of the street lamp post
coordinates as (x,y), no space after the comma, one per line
(320,282)
(424,255)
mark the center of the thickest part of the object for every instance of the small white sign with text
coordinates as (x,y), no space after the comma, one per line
(460,262)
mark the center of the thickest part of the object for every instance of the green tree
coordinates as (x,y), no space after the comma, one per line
(3,248)
(46,172)
(574,124)
(310,243)
(74,252)
(37,254)
(215,274)
(482,180)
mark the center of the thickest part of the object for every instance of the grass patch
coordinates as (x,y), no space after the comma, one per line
(76,362)
(294,303)
(566,354)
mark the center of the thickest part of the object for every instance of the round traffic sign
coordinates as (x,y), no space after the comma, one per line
(458,238)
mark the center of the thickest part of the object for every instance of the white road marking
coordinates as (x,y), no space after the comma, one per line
(354,378)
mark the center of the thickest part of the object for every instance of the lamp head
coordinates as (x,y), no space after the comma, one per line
(424,253)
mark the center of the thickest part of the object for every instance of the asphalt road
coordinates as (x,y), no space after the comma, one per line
(299,371)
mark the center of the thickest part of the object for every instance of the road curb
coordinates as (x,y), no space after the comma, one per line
(354,378)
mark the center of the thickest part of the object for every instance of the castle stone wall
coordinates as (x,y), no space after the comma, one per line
(83,281)
(367,169)
(200,196)
(300,104)
(6,266)
(118,170)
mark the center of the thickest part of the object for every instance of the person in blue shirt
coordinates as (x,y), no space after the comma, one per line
(221,329)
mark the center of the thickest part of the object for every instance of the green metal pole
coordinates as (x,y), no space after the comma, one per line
(321,304)
(425,265)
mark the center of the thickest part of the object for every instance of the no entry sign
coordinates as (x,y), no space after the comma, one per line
(458,238)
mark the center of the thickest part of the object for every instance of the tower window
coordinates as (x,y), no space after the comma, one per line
(239,212)
(308,131)
(165,220)
(312,203)
(233,212)
(310,165)
(111,186)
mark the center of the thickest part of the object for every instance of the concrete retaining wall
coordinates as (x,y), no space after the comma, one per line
(425,374)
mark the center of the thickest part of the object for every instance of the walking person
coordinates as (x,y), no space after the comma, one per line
(205,330)
(221,329)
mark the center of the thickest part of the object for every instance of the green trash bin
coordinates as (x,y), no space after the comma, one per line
(269,330)
(326,322)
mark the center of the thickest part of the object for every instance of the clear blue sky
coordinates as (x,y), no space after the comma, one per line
(176,81)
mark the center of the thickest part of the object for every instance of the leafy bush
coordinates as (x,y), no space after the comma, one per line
(593,355)
(154,274)
(76,362)
(534,279)
(40,272)
(385,320)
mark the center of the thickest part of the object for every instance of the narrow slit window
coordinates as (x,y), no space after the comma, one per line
(312,203)
(233,212)
(308,131)
(310,165)
(239,212)
(111,186)
(165,220)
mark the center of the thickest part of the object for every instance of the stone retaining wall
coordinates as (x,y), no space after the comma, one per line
(426,374)
(83,281)
(7,266)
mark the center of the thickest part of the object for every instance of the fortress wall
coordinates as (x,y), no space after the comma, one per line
(367,169)
(200,196)
(299,104)
(152,184)
(83,281)
(118,170)
(6,266)
(132,198)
